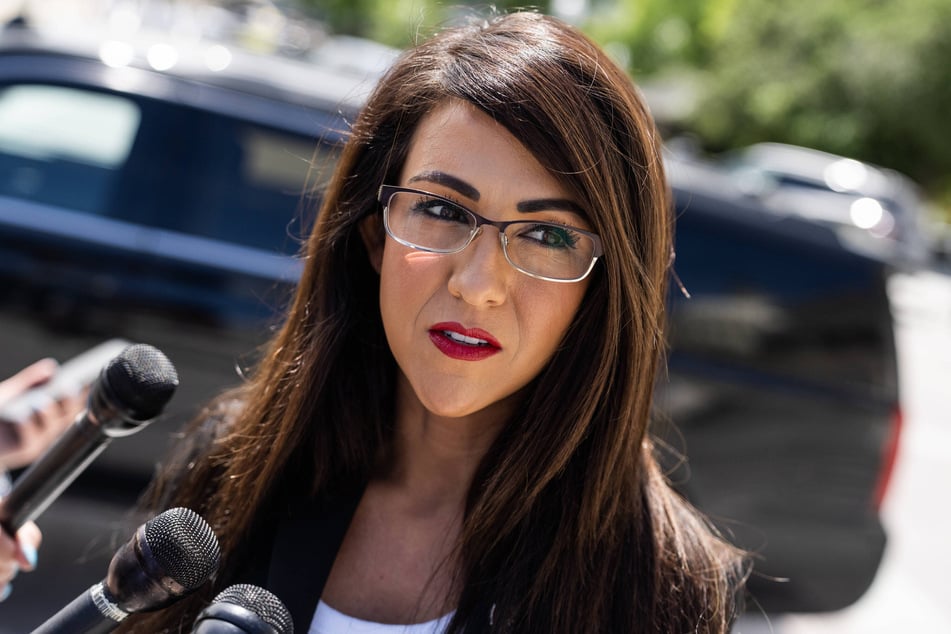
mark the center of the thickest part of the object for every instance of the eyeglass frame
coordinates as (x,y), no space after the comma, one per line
(386,192)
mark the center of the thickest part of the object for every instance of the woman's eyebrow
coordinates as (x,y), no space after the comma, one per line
(470,192)
(450,181)
(549,204)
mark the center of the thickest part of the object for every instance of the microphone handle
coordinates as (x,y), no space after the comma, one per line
(80,616)
(50,474)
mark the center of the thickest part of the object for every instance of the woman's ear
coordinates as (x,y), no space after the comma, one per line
(374,237)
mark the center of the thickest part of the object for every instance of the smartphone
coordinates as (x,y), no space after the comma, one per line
(71,377)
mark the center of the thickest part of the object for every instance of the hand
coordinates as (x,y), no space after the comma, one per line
(22,443)
(17,554)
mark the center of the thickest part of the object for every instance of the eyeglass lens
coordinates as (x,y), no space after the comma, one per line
(540,249)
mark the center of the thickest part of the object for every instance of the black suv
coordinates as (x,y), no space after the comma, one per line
(166,207)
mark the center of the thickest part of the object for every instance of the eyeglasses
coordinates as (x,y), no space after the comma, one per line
(544,250)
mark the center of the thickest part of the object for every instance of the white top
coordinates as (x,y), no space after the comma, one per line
(330,621)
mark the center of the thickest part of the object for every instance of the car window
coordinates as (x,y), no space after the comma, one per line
(63,146)
(250,185)
(208,175)
(161,164)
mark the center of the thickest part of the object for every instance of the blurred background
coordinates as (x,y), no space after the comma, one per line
(154,157)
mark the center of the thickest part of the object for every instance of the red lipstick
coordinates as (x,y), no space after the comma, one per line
(465,344)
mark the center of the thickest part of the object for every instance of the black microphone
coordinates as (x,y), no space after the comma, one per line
(168,557)
(130,392)
(244,609)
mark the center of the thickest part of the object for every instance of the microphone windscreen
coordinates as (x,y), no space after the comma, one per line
(261,602)
(142,380)
(184,546)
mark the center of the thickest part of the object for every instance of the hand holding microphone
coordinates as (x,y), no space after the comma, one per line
(22,440)
(169,556)
(130,392)
(41,400)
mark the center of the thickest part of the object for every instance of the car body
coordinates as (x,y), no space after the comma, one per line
(877,208)
(167,207)
(782,388)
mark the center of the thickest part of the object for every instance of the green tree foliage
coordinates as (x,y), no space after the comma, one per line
(658,34)
(398,22)
(343,16)
(870,79)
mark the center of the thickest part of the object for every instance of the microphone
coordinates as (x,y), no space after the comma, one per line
(169,556)
(131,390)
(244,609)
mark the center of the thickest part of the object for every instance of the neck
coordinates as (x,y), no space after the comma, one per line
(435,458)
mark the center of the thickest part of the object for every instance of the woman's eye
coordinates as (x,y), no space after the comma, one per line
(441,210)
(551,236)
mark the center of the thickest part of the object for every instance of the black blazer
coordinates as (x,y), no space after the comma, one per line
(304,535)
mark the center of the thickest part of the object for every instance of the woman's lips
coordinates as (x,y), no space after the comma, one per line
(465,344)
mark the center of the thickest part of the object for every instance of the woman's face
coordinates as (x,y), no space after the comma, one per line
(467,330)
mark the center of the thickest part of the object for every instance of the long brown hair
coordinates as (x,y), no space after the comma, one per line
(570,526)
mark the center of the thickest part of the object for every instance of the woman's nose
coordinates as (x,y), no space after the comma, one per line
(481,274)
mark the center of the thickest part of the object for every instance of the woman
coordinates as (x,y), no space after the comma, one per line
(450,428)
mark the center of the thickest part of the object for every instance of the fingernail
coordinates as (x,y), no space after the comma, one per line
(7,589)
(30,553)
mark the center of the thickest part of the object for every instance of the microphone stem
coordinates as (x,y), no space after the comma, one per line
(49,476)
(81,616)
